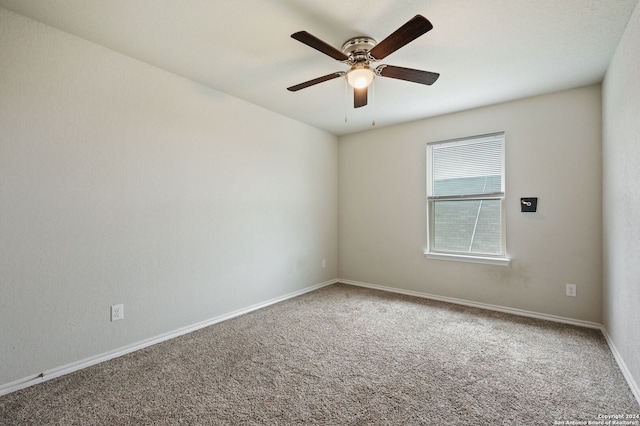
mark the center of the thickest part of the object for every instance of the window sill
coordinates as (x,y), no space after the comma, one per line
(501,261)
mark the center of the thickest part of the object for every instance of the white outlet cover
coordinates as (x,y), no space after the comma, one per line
(117,312)
(571,290)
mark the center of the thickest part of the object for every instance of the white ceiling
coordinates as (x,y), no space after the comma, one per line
(485,51)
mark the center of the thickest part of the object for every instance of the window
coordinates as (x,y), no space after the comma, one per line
(465,197)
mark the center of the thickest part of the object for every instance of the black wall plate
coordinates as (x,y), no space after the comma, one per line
(529,204)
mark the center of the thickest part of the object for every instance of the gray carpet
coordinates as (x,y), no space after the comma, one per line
(345,355)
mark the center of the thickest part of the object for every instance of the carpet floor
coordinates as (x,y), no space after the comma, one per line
(345,355)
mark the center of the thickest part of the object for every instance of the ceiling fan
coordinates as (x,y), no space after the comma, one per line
(360,52)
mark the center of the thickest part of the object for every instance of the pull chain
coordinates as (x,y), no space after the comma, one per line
(373,103)
(346,99)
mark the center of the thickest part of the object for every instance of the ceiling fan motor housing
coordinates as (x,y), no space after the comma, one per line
(357,48)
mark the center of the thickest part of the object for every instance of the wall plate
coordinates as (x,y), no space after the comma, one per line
(117,312)
(529,204)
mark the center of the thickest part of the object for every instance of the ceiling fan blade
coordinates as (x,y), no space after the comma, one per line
(410,31)
(319,45)
(360,97)
(315,81)
(407,74)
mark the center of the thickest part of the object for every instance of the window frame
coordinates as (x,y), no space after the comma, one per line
(495,259)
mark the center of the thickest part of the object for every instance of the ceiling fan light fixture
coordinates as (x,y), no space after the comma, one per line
(360,76)
(359,52)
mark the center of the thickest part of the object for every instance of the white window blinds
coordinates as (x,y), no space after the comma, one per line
(467,168)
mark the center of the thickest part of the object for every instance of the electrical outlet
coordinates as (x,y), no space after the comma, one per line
(571,290)
(324,263)
(117,312)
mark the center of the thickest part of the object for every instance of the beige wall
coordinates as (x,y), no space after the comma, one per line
(621,200)
(553,152)
(122,183)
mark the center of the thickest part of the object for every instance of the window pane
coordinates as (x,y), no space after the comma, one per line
(467,226)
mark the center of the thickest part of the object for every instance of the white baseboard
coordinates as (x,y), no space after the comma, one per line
(87,362)
(623,367)
(507,310)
